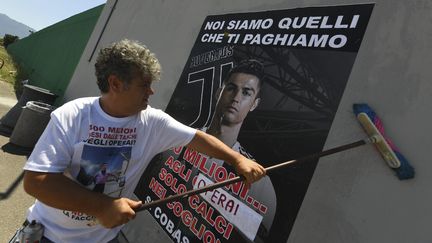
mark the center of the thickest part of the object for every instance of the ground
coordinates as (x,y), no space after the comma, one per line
(13,200)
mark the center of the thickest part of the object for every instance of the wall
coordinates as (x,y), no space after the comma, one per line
(50,55)
(353,196)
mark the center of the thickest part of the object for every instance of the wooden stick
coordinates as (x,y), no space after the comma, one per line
(241,178)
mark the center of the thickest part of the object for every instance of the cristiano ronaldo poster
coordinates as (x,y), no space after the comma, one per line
(268,85)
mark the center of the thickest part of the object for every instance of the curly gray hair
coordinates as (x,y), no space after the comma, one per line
(124,59)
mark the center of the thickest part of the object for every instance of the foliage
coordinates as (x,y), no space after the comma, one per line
(9,39)
(11,72)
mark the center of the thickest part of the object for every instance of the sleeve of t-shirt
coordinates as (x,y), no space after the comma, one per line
(172,133)
(52,152)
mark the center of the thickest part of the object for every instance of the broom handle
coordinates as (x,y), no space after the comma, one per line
(241,178)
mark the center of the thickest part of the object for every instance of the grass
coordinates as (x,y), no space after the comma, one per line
(11,72)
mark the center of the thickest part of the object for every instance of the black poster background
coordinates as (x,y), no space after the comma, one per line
(300,95)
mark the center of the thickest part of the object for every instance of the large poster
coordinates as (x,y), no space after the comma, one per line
(267,84)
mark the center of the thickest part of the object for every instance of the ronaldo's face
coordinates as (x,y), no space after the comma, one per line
(238,97)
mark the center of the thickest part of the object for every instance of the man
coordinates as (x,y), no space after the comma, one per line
(86,130)
(101,178)
(239,95)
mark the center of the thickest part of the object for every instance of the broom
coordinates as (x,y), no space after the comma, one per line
(371,124)
(388,150)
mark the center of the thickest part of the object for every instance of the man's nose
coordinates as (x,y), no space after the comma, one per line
(237,96)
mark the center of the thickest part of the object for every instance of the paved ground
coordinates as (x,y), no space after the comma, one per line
(13,200)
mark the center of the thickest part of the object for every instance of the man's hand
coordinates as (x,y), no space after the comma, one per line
(250,169)
(117,211)
(58,191)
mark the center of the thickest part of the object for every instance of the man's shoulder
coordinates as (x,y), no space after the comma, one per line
(152,109)
(78,103)
(74,107)
(154,113)
(83,101)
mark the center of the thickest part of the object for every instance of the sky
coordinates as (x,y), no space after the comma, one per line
(39,14)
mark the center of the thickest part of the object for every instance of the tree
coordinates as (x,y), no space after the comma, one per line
(9,39)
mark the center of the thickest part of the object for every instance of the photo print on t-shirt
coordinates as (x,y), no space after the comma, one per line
(102,169)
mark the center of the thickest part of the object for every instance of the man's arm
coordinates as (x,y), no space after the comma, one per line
(211,146)
(58,191)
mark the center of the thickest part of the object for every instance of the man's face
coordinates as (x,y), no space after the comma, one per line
(238,97)
(134,96)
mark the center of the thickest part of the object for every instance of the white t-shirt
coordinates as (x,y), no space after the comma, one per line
(101,152)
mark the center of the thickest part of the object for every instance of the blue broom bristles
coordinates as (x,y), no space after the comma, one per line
(405,171)
(359,108)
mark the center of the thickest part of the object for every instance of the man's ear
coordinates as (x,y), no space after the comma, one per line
(115,84)
(255,104)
